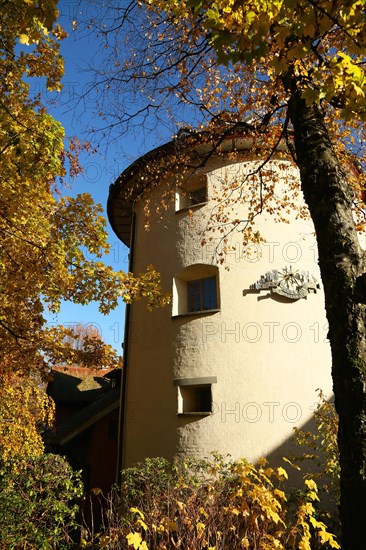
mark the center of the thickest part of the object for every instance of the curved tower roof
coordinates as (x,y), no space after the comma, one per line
(128,186)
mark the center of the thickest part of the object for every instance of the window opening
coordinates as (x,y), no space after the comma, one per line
(202,294)
(196,399)
(198,196)
(193,192)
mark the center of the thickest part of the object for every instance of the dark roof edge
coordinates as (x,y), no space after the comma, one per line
(119,210)
(121,198)
(88,416)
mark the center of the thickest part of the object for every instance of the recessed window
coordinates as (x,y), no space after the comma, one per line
(196,290)
(196,399)
(198,196)
(195,395)
(202,295)
(192,192)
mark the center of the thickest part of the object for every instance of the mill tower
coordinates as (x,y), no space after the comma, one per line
(233,363)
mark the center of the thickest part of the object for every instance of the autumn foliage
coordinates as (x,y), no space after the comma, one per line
(25,412)
(51,244)
(39,504)
(213,505)
(51,250)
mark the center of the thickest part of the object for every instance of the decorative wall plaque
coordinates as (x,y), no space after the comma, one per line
(287,282)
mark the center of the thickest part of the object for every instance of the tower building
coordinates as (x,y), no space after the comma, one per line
(233,363)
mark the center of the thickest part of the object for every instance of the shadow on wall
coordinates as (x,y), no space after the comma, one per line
(290,450)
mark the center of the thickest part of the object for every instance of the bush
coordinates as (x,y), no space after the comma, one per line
(211,505)
(38,504)
(320,448)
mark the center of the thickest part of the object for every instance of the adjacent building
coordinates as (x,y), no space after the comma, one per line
(86,427)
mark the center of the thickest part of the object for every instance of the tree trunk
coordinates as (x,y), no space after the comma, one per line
(342,268)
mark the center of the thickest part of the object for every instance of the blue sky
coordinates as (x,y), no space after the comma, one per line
(80,51)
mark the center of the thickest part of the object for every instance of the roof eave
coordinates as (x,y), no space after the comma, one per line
(127,188)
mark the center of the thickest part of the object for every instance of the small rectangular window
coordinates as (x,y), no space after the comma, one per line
(192,192)
(198,196)
(195,399)
(202,294)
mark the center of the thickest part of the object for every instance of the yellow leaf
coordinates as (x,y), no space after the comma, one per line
(137,511)
(200,529)
(310,484)
(134,539)
(282,473)
(315,523)
(304,544)
(24,39)
(326,537)
(308,508)
(142,523)
(280,494)
(291,463)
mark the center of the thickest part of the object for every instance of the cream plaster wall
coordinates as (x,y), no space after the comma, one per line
(269,354)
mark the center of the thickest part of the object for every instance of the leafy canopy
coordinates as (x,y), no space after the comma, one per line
(25,411)
(47,238)
(224,67)
(322,43)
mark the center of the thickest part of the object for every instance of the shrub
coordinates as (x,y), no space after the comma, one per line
(319,459)
(38,503)
(211,505)
(320,448)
